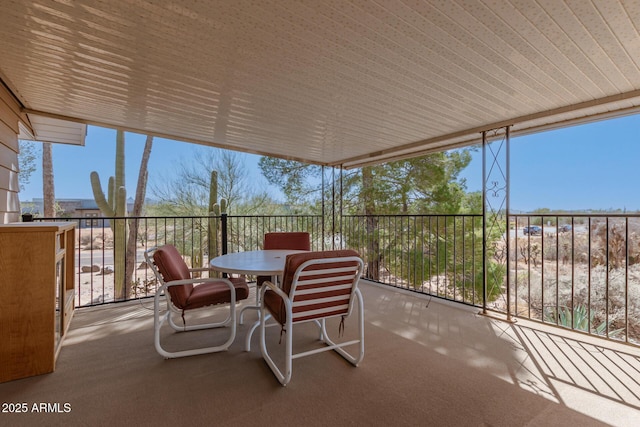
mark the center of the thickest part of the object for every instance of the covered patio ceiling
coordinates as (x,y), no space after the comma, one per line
(332,82)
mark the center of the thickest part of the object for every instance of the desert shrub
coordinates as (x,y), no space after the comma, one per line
(495,283)
(526,250)
(581,248)
(85,239)
(580,318)
(605,301)
(453,258)
(550,252)
(144,287)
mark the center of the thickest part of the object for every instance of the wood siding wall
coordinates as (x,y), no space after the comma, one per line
(9,118)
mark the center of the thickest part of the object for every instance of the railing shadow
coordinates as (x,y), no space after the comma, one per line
(597,378)
(577,368)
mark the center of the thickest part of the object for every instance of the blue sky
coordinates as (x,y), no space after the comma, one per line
(72,165)
(592,166)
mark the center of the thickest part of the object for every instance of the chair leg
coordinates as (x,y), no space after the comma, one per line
(339,348)
(285,377)
(160,319)
(321,329)
(185,328)
(247,340)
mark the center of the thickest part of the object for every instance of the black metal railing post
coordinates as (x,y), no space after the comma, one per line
(225,233)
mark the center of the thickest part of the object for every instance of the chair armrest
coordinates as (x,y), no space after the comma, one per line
(162,289)
(201,269)
(195,281)
(269,285)
(207,269)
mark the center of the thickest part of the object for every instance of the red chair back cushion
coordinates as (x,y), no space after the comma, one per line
(172,267)
(306,304)
(298,240)
(287,240)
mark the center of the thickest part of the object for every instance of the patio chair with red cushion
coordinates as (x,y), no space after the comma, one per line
(294,240)
(183,293)
(316,286)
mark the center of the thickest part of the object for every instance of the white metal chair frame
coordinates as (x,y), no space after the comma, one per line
(159,320)
(254,307)
(279,244)
(289,301)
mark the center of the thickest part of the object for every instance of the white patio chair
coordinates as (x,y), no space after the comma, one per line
(316,286)
(297,240)
(184,292)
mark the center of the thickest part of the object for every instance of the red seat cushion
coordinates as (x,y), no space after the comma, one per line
(212,293)
(185,297)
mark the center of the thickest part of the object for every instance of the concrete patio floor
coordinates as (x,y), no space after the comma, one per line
(427,362)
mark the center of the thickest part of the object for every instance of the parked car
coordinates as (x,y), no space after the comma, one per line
(532,229)
(564,228)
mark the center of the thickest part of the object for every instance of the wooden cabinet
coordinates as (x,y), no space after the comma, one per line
(36,295)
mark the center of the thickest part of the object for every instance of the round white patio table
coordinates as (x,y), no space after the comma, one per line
(268,262)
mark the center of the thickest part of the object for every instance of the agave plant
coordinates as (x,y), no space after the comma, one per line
(579,319)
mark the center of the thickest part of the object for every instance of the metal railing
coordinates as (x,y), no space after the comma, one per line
(580,272)
(95,274)
(439,255)
(194,236)
(246,232)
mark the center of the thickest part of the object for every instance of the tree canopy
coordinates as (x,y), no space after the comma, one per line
(26,162)
(188,192)
(426,184)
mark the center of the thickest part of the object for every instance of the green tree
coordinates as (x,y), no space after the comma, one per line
(188,193)
(300,182)
(471,203)
(194,187)
(26,162)
(426,184)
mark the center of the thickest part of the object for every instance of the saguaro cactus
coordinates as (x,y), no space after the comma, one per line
(215,209)
(115,205)
(212,226)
